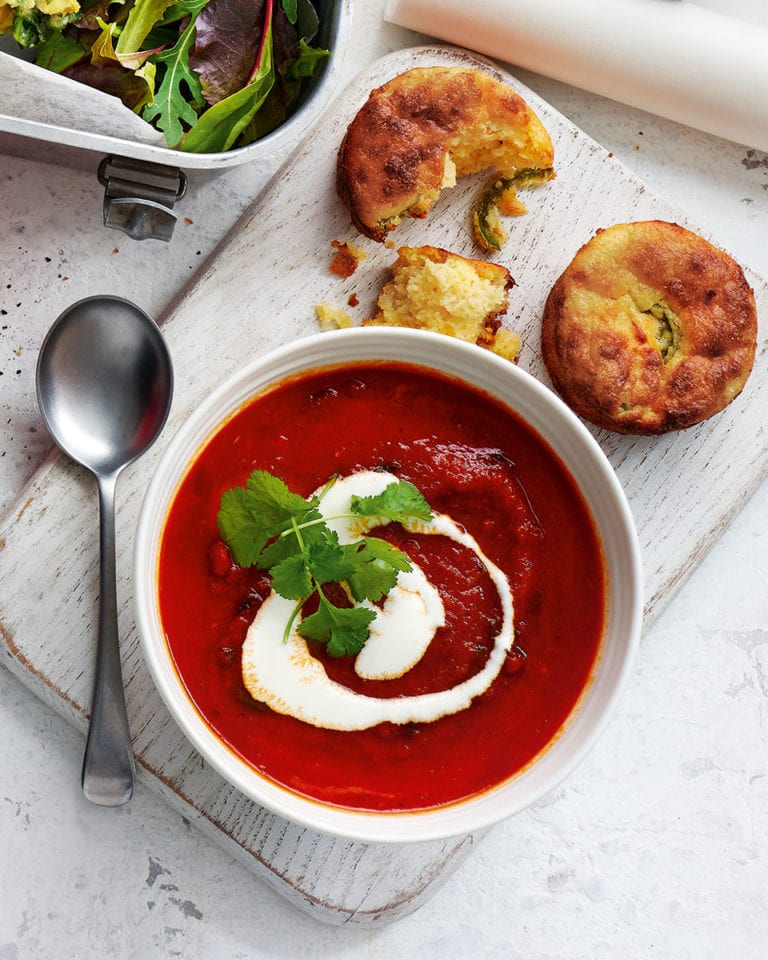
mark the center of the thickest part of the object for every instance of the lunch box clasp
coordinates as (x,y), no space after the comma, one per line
(139,197)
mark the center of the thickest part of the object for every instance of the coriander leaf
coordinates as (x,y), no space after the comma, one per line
(329,562)
(343,629)
(240,528)
(267,525)
(289,545)
(400,501)
(376,548)
(249,517)
(275,501)
(372,580)
(291,579)
(377,565)
(171,108)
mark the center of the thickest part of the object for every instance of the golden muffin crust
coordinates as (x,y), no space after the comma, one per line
(433,289)
(649,329)
(420,131)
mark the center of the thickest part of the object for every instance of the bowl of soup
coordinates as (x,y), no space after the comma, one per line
(387,584)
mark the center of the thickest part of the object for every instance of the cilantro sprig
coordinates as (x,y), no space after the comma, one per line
(267,525)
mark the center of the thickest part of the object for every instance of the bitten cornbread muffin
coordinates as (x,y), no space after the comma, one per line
(649,329)
(432,289)
(420,131)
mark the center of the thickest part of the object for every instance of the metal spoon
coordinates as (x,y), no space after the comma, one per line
(104,385)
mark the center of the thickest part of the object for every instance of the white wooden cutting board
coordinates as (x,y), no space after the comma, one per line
(257,291)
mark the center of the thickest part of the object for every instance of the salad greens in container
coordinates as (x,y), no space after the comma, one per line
(211,75)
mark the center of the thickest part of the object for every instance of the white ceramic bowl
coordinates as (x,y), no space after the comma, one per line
(578,450)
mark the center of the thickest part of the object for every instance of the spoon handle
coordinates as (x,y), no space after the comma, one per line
(108,765)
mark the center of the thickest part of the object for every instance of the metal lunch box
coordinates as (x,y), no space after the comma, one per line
(142,182)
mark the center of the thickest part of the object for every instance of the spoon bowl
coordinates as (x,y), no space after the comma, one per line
(104,386)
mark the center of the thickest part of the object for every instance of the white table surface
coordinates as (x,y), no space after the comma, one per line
(657,846)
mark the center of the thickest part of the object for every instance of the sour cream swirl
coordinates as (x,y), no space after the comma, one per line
(291,681)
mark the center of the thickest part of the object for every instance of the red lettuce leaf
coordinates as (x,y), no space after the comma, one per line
(285,41)
(227,38)
(132,90)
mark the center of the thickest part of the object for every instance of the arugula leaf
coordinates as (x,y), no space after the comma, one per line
(170,107)
(399,501)
(343,629)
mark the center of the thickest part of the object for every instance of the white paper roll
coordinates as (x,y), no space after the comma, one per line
(669,57)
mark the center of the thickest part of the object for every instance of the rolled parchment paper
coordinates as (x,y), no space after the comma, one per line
(670,57)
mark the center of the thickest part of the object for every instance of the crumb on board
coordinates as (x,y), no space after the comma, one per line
(346,258)
(507,344)
(332,318)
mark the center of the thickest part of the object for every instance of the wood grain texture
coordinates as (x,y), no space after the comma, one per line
(256,292)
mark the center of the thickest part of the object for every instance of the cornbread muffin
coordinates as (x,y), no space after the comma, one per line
(420,131)
(649,329)
(432,289)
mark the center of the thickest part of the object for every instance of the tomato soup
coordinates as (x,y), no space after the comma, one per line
(474,460)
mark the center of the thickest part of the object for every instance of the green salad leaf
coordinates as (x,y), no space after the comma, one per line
(211,75)
(221,124)
(143,16)
(59,52)
(290,9)
(183,8)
